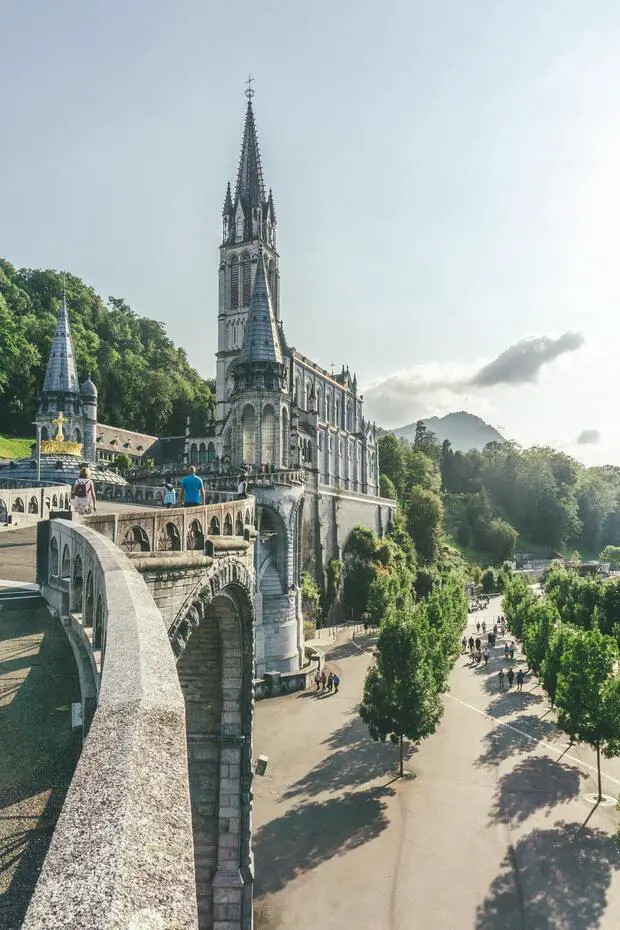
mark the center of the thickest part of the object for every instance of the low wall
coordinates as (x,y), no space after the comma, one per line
(287,682)
(21,504)
(122,852)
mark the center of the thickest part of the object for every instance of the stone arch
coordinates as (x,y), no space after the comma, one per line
(136,540)
(54,557)
(77,588)
(268,434)
(54,501)
(77,434)
(248,517)
(45,434)
(228,525)
(233,273)
(213,639)
(89,601)
(214,526)
(248,435)
(170,538)
(3,511)
(18,505)
(65,570)
(211,452)
(271,553)
(246,278)
(239,524)
(66,501)
(98,625)
(33,505)
(195,536)
(193,453)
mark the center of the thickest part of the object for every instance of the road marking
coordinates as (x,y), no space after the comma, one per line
(539,742)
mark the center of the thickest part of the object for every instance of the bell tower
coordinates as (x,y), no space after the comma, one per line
(248,227)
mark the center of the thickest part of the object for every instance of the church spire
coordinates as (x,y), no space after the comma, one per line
(250,188)
(261,340)
(61,375)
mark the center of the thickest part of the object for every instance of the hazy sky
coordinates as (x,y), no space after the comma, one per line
(446,178)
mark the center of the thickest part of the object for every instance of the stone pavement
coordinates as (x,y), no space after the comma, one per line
(493,830)
(38,751)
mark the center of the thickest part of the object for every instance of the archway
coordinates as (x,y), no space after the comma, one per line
(248,435)
(216,675)
(33,505)
(195,536)
(18,505)
(65,570)
(78,586)
(169,539)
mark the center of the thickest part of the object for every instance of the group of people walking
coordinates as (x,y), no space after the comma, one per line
(326,683)
(480,654)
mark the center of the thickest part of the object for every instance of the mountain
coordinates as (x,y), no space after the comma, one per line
(464,430)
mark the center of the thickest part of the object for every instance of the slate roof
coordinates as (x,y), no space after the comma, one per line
(261,340)
(61,375)
(116,440)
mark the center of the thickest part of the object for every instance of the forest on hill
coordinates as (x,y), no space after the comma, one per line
(538,500)
(144,381)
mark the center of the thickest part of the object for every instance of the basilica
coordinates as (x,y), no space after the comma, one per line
(276,408)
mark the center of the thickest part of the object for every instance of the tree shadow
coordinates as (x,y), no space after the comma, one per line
(511,700)
(342,651)
(309,834)
(536,783)
(516,737)
(351,758)
(552,879)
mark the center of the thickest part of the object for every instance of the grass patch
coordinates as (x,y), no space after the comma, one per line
(12,447)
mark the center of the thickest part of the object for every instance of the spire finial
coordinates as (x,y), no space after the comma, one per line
(249,92)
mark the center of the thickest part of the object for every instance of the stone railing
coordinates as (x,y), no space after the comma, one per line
(28,504)
(179,528)
(153,494)
(122,851)
(273,684)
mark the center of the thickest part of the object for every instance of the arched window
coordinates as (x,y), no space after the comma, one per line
(88,603)
(298,391)
(319,403)
(202,452)
(18,505)
(45,434)
(350,417)
(284,439)
(214,527)
(136,540)
(193,453)
(54,501)
(33,505)
(268,435)
(210,452)
(308,393)
(246,276)
(3,511)
(77,586)
(54,557)
(248,518)
(228,527)
(77,434)
(170,538)
(195,536)
(248,435)
(234,282)
(337,413)
(65,571)
(239,524)
(328,406)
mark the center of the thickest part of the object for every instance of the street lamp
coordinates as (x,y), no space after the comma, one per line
(38,429)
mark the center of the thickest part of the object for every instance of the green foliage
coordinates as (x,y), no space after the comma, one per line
(538,630)
(588,693)
(12,448)
(489,581)
(391,459)
(387,488)
(401,697)
(334,582)
(379,574)
(611,554)
(425,523)
(580,600)
(517,602)
(144,381)
(552,659)
(123,461)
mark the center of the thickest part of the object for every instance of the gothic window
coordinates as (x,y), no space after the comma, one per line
(246,274)
(321,440)
(308,392)
(319,402)
(234,282)
(210,452)
(248,435)
(193,452)
(328,406)
(195,536)
(54,558)
(350,417)
(268,435)
(66,563)
(202,452)
(228,526)
(77,435)
(298,391)
(337,413)
(214,527)
(284,439)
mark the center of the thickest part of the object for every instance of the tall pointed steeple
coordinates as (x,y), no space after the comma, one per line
(261,340)
(61,375)
(250,188)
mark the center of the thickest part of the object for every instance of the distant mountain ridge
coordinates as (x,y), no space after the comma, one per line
(464,430)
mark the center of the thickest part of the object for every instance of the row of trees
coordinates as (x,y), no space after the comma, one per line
(144,381)
(576,661)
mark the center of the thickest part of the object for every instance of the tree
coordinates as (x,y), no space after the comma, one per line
(489,581)
(401,699)
(588,694)
(552,660)
(517,602)
(611,554)
(386,486)
(425,523)
(123,461)
(391,460)
(539,623)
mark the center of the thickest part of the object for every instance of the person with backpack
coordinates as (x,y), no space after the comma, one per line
(336,683)
(170,495)
(83,493)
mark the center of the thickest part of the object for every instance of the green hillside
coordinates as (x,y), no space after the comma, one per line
(13,448)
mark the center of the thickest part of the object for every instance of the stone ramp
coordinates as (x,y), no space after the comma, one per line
(38,751)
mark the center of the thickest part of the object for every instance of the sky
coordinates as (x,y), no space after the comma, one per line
(446,179)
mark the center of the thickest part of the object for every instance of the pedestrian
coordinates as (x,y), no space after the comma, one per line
(512,650)
(336,683)
(323,680)
(500,675)
(478,657)
(478,626)
(485,656)
(330,681)
(83,493)
(511,677)
(464,643)
(495,629)
(242,488)
(317,680)
(484,626)
(192,489)
(520,677)
(478,644)
(170,495)
(506,651)
(471,643)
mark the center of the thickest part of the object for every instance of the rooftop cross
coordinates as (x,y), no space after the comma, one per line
(249,92)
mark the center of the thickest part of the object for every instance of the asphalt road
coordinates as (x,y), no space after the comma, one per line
(493,830)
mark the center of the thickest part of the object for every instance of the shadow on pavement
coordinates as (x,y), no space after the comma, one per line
(536,783)
(511,700)
(552,879)
(312,833)
(340,651)
(505,740)
(351,758)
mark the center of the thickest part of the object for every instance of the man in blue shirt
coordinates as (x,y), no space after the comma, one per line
(192,489)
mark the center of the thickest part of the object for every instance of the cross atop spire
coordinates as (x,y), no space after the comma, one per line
(250,188)
(249,92)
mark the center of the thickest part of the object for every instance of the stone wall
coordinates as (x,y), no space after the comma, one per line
(20,503)
(122,851)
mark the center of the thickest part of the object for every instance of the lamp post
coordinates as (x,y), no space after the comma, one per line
(38,429)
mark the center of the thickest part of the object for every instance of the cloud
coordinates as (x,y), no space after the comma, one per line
(589,437)
(440,388)
(521,362)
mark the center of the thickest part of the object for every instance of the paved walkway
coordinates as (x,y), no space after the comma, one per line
(493,830)
(38,751)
